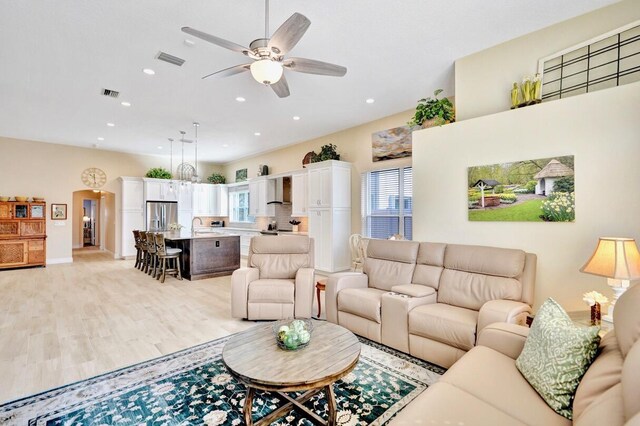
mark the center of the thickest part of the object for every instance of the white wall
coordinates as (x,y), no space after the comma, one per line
(602,130)
(483,80)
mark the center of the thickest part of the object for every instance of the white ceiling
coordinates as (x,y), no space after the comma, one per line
(56,56)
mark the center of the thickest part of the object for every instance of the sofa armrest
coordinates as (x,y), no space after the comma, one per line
(502,311)
(508,339)
(240,280)
(337,282)
(395,313)
(305,284)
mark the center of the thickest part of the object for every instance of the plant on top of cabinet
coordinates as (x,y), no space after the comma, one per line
(158,173)
(217,178)
(441,110)
(327,152)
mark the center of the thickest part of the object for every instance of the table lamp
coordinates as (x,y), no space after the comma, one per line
(617,259)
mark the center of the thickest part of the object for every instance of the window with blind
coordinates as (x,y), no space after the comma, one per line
(387,203)
(239,204)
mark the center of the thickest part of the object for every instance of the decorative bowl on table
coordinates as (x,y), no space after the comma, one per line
(4,199)
(293,334)
(21,199)
(38,199)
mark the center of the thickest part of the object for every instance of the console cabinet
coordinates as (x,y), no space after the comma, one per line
(23,233)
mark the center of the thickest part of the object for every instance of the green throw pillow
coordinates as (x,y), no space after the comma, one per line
(556,355)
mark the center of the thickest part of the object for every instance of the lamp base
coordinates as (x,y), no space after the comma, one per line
(618,287)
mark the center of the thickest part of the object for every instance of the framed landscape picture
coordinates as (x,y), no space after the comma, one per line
(392,143)
(58,212)
(241,175)
(540,190)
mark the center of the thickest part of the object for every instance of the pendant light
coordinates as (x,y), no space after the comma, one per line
(171,188)
(195,178)
(182,180)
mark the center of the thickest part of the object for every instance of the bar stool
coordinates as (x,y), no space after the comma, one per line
(144,265)
(166,256)
(139,251)
(152,249)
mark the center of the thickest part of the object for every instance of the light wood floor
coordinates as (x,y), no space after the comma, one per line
(69,322)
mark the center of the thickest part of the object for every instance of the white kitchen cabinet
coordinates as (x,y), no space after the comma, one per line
(299,201)
(329,184)
(329,214)
(161,189)
(185,196)
(210,200)
(131,213)
(261,191)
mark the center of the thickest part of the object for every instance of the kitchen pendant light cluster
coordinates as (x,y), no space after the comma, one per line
(185,172)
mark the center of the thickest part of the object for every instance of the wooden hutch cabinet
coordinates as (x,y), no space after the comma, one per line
(23,231)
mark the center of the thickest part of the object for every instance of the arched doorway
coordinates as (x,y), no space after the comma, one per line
(93,221)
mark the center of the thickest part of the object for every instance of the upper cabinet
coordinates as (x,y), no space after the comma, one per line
(299,194)
(210,200)
(132,193)
(185,196)
(160,190)
(329,184)
(261,191)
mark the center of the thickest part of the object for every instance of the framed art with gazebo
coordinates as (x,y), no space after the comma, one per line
(540,190)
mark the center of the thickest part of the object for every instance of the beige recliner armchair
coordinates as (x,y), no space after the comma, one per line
(278,281)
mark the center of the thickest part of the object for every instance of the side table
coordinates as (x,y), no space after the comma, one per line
(320,286)
(581,318)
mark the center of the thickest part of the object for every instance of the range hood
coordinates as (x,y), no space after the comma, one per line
(282,192)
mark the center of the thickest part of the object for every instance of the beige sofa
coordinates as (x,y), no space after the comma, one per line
(486,388)
(278,281)
(431,299)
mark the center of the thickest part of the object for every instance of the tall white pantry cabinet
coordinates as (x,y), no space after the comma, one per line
(329,213)
(131,213)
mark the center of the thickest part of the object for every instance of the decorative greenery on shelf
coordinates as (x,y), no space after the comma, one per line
(217,178)
(327,152)
(158,173)
(441,110)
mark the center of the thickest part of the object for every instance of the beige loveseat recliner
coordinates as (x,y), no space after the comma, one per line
(485,388)
(278,281)
(432,299)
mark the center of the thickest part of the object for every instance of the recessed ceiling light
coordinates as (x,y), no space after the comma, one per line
(148,71)
(226,145)
(240,99)
(110,124)
(370,100)
(100,138)
(159,147)
(295,117)
(256,134)
(125,103)
(189,42)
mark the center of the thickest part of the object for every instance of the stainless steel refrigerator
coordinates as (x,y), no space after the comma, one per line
(160,214)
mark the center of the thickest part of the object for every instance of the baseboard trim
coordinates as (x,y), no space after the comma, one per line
(59,260)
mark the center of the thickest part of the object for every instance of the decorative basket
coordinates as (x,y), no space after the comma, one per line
(21,199)
(4,199)
(293,334)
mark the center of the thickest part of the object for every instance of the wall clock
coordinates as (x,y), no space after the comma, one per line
(94,177)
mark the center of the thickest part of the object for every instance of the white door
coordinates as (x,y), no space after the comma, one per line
(320,187)
(320,231)
(132,195)
(130,220)
(254,198)
(299,195)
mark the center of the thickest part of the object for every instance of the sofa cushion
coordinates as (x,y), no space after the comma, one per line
(271,291)
(495,261)
(447,324)
(363,302)
(279,266)
(414,290)
(602,375)
(429,264)
(493,378)
(556,355)
(390,263)
(472,290)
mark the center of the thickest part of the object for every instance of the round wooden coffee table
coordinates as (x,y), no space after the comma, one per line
(255,359)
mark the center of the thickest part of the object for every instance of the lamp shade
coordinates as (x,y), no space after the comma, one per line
(616,258)
(266,71)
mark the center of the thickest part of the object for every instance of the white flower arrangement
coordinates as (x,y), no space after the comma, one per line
(175,226)
(594,297)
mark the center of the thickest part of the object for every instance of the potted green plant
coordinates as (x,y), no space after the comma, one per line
(327,152)
(440,110)
(217,178)
(158,173)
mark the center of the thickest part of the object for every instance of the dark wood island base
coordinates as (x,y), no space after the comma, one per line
(206,255)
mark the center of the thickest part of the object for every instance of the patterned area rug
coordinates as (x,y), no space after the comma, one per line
(193,387)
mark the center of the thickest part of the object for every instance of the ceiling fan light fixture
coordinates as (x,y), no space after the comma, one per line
(266,71)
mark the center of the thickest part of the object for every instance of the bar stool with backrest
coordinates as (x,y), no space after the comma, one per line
(138,245)
(144,265)
(166,256)
(153,254)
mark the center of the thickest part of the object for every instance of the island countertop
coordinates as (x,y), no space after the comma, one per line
(188,235)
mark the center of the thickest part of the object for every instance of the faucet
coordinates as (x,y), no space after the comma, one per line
(193,220)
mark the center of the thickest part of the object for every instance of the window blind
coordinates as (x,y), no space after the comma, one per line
(386,206)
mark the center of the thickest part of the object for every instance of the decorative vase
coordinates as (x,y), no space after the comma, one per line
(294,228)
(595,314)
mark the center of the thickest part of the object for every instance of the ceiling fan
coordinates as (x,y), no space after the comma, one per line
(268,54)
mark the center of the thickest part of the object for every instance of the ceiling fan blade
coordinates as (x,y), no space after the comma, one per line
(227,72)
(281,87)
(216,40)
(289,34)
(311,66)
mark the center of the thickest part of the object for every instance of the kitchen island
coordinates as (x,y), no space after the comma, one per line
(205,254)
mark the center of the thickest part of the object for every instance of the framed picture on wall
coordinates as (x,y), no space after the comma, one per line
(241,175)
(58,212)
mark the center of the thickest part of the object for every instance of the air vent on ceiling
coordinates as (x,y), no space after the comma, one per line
(110,93)
(170,58)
